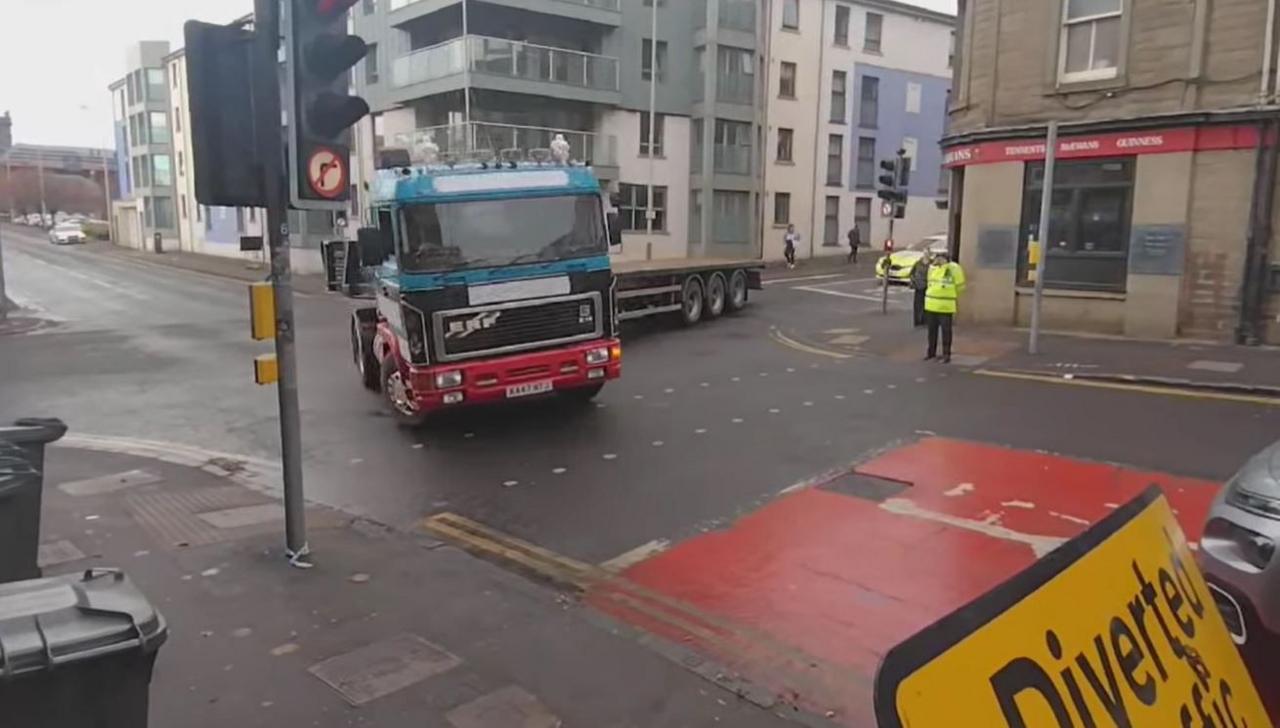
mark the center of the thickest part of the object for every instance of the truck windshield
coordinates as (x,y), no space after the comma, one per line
(487,233)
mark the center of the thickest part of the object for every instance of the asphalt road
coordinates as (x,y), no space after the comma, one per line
(704,424)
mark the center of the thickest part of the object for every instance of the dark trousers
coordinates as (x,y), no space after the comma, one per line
(853,254)
(790,253)
(917,308)
(939,321)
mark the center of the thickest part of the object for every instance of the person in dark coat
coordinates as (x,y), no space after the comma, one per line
(919,284)
(855,242)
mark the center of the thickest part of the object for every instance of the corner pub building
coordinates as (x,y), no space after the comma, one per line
(1163,214)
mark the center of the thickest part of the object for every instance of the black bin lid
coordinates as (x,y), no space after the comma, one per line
(64,619)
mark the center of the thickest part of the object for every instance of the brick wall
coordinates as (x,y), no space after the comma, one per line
(1008,73)
(1221,188)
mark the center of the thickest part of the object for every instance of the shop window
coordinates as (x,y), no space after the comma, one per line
(1088,246)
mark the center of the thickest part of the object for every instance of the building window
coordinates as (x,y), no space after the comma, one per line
(831,221)
(862,218)
(842,25)
(787,80)
(911,150)
(781,208)
(162,170)
(163,217)
(177,120)
(1090,41)
(182,204)
(732,147)
(735,75)
(869,108)
(659,133)
(695,216)
(731,221)
(866,175)
(155,84)
(369,7)
(738,15)
(839,79)
(1088,240)
(158,123)
(915,94)
(182,165)
(634,201)
(371,64)
(835,160)
(646,60)
(786,142)
(874,30)
(791,14)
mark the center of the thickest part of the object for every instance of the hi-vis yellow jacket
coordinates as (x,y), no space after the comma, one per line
(946,283)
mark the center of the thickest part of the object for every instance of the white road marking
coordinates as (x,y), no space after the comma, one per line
(510,483)
(808,404)
(736,420)
(868,391)
(774,411)
(1019,504)
(1073,519)
(559,471)
(959,490)
(796,279)
(610,456)
(700,431)
(658,443)
(735,379)
(1040,545)
(627,559)
(841,294)
(839,396)
(669,390)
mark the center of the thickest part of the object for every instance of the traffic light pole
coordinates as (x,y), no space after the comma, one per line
(1046,207)
(884,286)
(267,114)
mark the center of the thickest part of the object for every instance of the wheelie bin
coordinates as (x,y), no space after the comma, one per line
(21,487)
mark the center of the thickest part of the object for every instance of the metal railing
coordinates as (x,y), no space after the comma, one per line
(502,57)
(599,149)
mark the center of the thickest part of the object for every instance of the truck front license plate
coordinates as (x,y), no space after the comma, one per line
(524,390)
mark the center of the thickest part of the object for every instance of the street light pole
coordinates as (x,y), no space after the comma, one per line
(44,210)
(1042,232)
(649,213)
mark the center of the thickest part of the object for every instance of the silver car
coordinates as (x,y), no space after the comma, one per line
(1238,554)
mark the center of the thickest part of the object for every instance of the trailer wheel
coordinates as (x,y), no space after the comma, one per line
(715,295)
(396,395)
(362,353)
(737,291)
(691,300)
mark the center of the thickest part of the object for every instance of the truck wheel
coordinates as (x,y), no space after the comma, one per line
(402,408)
(362,353)
(737,299)
(691,300)
(582,394)
(715,295)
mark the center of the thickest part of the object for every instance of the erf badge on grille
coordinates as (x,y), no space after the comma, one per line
(586,314)
(466,327)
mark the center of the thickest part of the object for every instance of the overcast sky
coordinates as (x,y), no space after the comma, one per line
(59,57)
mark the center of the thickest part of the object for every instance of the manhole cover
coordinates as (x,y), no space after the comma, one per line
(382,668)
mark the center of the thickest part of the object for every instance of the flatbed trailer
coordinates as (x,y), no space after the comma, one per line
(695,288)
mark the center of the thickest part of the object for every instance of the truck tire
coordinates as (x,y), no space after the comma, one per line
(362,353)
(716,295)
(737,298)
(692,301)
(404,412)
(582,395)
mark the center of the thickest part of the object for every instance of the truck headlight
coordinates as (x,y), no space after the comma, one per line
(599,355)
(449,380)
(1260,498)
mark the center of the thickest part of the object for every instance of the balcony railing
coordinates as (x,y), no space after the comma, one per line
(732,159)
(460,139)
(602,4)
(502,57)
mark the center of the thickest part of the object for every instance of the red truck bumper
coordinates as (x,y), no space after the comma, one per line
(516,377)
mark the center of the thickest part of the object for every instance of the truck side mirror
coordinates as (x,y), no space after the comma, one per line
(375,245)
(615,229)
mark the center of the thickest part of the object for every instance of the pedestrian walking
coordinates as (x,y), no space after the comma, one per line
(790,241)
(855,242)
(945,284)
(919,279)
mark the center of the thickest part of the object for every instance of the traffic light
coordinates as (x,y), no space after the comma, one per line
(893,183)
(320,112)
(223,143)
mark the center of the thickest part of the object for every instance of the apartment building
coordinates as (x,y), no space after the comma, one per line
(851,83)
(144,150)
(499,74)
(1162,208)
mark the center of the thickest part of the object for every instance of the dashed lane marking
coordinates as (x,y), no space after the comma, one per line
(1139,388)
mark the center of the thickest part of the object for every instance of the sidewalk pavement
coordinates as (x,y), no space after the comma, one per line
(235,268)
(388,629)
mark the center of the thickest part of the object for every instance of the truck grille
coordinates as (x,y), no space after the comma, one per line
(517,326)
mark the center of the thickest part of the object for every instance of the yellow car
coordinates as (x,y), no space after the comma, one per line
(900,262)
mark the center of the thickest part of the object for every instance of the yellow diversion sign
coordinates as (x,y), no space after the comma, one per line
(1114,628)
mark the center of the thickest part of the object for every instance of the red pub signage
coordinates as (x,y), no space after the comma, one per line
(1120,144)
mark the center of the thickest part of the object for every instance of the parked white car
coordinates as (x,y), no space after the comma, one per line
(65,233)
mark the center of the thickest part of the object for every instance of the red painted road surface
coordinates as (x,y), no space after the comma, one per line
(804,596)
